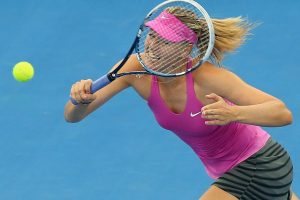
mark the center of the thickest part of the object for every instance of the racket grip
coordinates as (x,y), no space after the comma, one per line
(96,85)
(100,83)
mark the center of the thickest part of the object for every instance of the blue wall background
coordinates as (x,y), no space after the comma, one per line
(119,152)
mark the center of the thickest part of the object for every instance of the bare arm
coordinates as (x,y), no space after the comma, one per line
(80,91)
(75,113)
(252,106)
(270,113)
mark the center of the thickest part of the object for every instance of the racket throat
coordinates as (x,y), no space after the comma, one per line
(111,76)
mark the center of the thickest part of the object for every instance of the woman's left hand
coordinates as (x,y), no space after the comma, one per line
(218,112)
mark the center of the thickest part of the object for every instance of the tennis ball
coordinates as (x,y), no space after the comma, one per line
(23,71)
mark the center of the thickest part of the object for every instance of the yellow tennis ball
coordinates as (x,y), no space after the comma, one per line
(23,71)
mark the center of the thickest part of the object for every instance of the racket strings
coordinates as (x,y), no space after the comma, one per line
(197,52)
(167,65)
(171,64)
(157,52)
(174,58)
(166,57)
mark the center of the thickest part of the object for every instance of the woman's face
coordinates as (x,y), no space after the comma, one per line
(162,55)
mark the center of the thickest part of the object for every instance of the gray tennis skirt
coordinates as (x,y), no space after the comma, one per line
(266,175)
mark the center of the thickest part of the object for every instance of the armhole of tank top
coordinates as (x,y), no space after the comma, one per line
(192,96)
(153,89)
(191,93)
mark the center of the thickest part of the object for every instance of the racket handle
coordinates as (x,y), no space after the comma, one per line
(100,83)
(96,85)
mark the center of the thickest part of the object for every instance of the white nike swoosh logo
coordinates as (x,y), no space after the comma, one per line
(195,114)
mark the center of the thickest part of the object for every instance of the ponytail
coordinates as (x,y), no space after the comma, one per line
(230,33)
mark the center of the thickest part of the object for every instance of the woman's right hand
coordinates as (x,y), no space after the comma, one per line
(81,92)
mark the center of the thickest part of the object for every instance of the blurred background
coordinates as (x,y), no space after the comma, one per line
(119,151)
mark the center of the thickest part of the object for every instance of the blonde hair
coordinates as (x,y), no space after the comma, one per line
(230,33)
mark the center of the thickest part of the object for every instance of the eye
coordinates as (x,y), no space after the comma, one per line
(165,42)
(151,35)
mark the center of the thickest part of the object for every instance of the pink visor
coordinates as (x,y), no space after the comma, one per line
(171,28)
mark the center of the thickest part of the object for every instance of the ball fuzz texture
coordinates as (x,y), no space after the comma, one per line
(23,71)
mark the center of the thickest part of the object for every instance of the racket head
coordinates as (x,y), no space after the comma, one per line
(176,37)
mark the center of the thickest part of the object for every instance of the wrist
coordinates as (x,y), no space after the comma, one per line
(237,114)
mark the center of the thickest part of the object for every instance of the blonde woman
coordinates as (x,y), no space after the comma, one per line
(212,110)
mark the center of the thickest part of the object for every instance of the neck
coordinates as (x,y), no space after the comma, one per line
(170,81)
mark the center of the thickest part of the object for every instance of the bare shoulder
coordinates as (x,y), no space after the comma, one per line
(210,76)
(213,70)
(207,80)
(132,64)
(227,84)
(140,83)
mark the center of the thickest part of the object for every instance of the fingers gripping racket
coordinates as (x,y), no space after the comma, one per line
(175,38)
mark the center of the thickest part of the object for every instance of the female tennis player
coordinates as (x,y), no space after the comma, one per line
(211,109)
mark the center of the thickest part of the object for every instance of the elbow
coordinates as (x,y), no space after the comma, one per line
(70,116)
(288,117)
(71,119)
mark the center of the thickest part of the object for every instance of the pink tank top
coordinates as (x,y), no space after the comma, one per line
(220,148)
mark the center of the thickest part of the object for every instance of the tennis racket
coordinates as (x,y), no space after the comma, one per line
(166,44)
